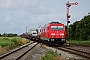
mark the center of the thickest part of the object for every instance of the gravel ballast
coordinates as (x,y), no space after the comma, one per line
(40,51)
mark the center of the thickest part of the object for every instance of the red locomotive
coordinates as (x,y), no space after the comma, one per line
(53,33)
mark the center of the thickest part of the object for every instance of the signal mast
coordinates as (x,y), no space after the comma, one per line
(68,4)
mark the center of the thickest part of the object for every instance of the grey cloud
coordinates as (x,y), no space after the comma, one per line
(32,6)
(6,4)
(17,14)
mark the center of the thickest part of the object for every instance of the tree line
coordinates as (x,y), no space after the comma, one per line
(80,30)
(8,35)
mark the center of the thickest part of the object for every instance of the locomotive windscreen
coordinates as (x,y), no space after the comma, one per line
(57,27)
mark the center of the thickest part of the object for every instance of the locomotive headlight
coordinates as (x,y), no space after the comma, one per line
(63,39)
(52,39)
(61,34)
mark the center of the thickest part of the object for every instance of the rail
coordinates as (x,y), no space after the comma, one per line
(17,50)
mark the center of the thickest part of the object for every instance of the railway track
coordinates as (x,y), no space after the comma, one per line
(18,53)
(79,45)
(83,54)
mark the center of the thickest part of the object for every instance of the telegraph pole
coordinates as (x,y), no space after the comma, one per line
(68,4)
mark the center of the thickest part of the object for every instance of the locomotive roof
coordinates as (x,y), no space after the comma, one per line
(55,23)
(51,23)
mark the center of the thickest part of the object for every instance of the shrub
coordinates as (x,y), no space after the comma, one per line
(47,57)
(12,42)
(88,37)
(24,41)
(16,41)
(50,55)
(6,42)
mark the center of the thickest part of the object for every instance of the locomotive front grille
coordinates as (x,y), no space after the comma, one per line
(55,40)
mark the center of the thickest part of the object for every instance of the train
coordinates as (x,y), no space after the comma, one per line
(34,35)
(31,35)
(25,35)
(53,33)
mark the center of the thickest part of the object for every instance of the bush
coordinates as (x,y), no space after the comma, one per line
(12,42)
(88,37)
(47,57)
(16,41)
(6,42)
(50,55)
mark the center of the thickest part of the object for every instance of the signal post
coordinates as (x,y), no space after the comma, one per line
(68,4)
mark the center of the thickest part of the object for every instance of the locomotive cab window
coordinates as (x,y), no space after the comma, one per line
(60,27)
(57,27)
(53,27)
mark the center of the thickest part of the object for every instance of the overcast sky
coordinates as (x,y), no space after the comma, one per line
(15,15)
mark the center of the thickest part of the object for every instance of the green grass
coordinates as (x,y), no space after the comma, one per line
(10,41)
(16,40)
(6,42)
(80,42)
